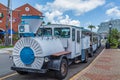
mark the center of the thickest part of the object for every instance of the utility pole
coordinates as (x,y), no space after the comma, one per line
(11,36)
(7,24)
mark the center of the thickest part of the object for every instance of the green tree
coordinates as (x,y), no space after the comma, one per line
(114,38)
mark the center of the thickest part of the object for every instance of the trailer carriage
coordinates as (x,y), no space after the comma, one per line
(96,41)
(77,42)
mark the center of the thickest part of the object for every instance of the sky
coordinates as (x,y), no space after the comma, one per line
(74,12)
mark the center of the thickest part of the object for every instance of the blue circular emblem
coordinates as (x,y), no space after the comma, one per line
(27,55)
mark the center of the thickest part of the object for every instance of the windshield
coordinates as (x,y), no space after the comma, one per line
(62,32)
(44,32)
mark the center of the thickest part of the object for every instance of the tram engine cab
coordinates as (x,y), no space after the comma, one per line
(50,47)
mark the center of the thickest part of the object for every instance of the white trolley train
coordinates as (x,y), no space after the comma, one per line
(49,47)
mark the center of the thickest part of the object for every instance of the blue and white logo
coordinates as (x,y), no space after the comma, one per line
(27,55)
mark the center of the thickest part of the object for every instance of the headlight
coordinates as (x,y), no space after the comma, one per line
(21,28)
(47,59)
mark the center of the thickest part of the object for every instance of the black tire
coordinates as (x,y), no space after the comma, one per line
(91,54)
(62,73)
(22,72)
(86,57)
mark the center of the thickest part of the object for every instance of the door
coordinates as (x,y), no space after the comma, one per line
(73,42)
(78,50)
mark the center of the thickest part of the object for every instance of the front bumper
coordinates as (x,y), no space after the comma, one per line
(29,70)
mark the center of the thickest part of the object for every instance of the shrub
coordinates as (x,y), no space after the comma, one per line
(0,41)
(114,38)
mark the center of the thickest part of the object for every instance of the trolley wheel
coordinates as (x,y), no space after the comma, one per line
(61,74)
(86,57)
(91,54)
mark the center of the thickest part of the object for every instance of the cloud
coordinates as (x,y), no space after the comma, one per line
(55,11)
(61,19)
(109,5)
(67,20)
(57,17)
(39,7)
(78,6)
(52,15)
(115,11)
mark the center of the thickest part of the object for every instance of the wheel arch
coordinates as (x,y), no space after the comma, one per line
(56,61)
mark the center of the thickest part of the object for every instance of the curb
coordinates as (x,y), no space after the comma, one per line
(6,50)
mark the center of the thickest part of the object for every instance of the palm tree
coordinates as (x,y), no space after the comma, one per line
(48,23)
(91,27)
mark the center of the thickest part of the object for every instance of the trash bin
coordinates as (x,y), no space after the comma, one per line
(118,46)
(107,45)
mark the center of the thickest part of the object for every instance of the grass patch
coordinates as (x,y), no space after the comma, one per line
(5,47)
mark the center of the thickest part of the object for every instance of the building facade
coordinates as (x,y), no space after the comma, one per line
(25,9)
(104,27)
(22,11)
(3,14)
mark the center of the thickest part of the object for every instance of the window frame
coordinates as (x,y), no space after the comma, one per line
(43,32)
(78,36)
(60,32)
(73,34)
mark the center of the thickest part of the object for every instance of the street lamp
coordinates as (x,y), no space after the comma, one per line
(110,26)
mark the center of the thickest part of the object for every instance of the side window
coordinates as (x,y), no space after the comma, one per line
(44,32)
(95,40)
(73,34)
(62,32)
(78,36)
(47,31)
(57,32)
(39,32)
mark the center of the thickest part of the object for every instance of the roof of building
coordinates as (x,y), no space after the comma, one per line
(38,12)
(1,6)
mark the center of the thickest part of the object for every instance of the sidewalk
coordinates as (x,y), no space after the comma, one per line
(6,50)
(105,67)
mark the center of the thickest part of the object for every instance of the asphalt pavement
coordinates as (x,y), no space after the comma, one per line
(5,64)
(7,74)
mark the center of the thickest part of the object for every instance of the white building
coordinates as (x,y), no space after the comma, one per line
(104,27)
